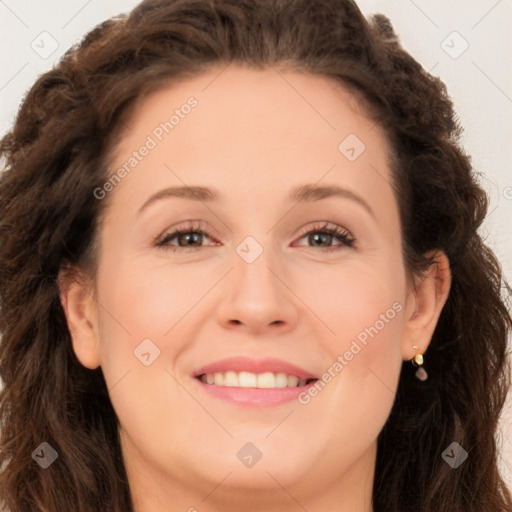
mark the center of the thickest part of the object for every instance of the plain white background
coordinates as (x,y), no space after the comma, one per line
(466,43)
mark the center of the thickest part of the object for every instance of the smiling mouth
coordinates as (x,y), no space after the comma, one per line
(266,380)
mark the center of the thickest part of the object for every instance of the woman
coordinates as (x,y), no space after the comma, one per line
(173,336)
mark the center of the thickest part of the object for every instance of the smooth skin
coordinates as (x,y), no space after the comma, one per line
(254,136)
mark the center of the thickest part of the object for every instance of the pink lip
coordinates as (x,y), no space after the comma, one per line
(253,396)
(245,364)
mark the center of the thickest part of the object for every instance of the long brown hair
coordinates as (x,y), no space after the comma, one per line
(56,155)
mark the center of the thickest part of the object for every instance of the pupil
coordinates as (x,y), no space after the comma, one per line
(317,235)
(187,237)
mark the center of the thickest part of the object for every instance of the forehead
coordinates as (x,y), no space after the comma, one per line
(236,92)
(254,128)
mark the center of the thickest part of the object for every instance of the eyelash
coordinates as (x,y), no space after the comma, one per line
(339,233)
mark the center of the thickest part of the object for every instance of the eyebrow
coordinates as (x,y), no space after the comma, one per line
(187,192)
(311,192)
(307,192)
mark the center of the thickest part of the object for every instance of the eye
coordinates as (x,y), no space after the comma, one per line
(189,236)
(325,234)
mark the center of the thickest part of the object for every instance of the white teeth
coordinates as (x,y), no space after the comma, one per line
(281,380)
(293,381)
(247,380)
(231,379)
(265,380)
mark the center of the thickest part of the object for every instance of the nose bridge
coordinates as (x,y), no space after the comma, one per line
(256,294)
(255,259)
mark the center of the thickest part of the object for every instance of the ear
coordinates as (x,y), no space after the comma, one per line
(424,305)
(77,299)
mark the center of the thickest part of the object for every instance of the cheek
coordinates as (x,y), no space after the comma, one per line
(355,395)
(366,306)
(147,302)
(365,353)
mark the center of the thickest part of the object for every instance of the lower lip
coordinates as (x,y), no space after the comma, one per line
(254,396)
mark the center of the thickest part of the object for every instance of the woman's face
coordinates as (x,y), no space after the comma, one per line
(254,288)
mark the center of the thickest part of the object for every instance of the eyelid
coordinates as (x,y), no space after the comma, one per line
(321,226)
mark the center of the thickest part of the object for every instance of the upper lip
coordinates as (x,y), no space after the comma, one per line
(246,364)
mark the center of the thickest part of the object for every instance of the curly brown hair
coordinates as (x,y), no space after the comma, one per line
(56,155)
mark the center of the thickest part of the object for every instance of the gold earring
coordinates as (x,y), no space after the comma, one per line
(417,360)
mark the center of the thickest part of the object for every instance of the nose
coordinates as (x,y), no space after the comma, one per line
(257,297)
